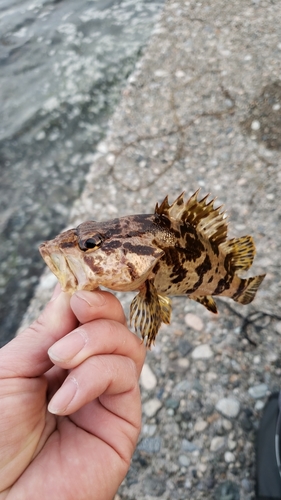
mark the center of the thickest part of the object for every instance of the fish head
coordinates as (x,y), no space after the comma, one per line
(118,254)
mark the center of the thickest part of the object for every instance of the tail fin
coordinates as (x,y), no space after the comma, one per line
(248,289)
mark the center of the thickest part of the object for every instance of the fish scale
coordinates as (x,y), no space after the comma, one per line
(181,249)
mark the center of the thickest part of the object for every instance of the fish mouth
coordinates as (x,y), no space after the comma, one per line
(59,265)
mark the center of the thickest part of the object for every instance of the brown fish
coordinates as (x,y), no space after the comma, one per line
(181,249)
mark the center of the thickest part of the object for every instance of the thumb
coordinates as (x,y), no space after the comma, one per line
(26,355)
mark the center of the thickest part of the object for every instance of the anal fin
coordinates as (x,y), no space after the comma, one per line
(148,310)
(206,301)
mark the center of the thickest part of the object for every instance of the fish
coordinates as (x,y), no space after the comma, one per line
(180,249)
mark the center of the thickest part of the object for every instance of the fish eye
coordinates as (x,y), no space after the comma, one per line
(91,243)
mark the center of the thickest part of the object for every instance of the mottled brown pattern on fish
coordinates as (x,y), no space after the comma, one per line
(181,249)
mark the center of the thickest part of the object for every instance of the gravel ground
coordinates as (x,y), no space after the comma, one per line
(202,109)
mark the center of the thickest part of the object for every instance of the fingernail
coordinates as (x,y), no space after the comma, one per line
(93,299)
(67,347)
(63,397)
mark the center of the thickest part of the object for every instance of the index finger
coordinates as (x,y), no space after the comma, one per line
(88,306)
(102,336)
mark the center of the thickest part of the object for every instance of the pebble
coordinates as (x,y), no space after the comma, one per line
(278,327)
(227,425)
(183,386)
(258,391)
(229,457)
(194,322)
(202,351)
(149,429)
(187,445)
(227,491)
(255,125)
(184,461)
(183,363)
(155,486)
(147,379)
(150,445)
(184,347)
(259,405)
(187,484)
(246,484)
(217,443)
(231,444)
(151,407)
(229,407)
(200,425)
(172,403)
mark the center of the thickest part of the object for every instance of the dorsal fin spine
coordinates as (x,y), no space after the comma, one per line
(199,213)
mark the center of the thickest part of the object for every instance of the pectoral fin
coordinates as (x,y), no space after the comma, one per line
(148,310)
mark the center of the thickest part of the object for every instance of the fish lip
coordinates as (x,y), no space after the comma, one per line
(78,272)
(58,264)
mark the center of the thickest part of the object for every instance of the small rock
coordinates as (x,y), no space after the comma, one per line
(188,446)
(149,429)
(40,136)
(229,407)
(150,445)
(151,407)
(256,360)
(231,444)
(155,486)
(259,405)
(258,391)
(202,351)
(211,376)
(246,421)
(179,73)
(183,363)
(217,443)
(110,159)
(147,379)
(184,461)
(196,386)
(255,125)
(229,457)
(184,347)
(227,425)
(227,491)
(200,426)
(278,327)
(172,403)
(194,322)
(246,485)
(183,386)
(188,484)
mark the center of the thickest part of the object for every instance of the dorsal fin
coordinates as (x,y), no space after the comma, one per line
(241,252)
(210,221)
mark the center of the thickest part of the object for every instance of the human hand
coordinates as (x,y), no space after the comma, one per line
(81,445)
